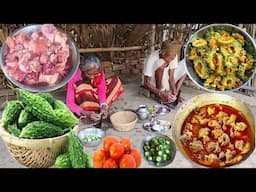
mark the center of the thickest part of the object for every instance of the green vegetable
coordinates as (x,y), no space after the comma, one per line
(48,97)
(58,104)
(25,117)
(63,161)
(199,42)
(13,130)
(38,106)
(11,112)
(91,137)
(158,159)
(157,150)
(76,153)
(64,118)
(41,129)
(151,109)
(89,160)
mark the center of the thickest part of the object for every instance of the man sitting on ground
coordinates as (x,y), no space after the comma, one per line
(163,74)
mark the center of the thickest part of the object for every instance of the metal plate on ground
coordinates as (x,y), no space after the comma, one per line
(161,109)
(162,127)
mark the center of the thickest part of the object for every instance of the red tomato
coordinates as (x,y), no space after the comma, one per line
(99,158)
(116,150)
(108,141)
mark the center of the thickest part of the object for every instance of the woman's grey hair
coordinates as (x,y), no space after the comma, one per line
(91,62)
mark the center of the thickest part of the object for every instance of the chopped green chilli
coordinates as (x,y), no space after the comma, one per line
(158,150)
(91,137)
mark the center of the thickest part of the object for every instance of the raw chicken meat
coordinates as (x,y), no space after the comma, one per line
(50,79)
(39,58)
(49,31)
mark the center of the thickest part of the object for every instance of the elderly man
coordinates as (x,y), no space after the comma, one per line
(164,74)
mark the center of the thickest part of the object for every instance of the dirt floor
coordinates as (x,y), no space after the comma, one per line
(131,99)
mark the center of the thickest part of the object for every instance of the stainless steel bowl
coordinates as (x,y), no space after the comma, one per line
(91,131)
(74,60)
(250,47)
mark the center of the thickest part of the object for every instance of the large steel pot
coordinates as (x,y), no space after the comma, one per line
(250,47)
(206,99)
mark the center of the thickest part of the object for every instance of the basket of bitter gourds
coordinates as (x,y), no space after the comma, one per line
(35,128)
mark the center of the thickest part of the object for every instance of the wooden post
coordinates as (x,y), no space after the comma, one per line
(2,36)
(240,25)
(90,50)
(153,38)
(253,31)
(254,78)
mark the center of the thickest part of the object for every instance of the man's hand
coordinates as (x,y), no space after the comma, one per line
(171,97)
(167,96)
(175,93)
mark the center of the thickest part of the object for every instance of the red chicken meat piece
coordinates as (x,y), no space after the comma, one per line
(61,39)
(31,78)
(20,38)
(49,31)
(38,46)
(10,41)
(48,79)
(16,73)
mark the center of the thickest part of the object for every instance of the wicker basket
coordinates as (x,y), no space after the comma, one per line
(124,120)
(35,153)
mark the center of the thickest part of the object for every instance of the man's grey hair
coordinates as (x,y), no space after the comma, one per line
(91,62)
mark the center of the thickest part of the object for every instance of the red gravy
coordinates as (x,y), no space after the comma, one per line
(222,142)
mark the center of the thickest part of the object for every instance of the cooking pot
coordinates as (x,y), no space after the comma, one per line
(142,112)
(206,99)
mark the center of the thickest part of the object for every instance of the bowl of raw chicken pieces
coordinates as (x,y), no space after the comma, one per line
(39,58)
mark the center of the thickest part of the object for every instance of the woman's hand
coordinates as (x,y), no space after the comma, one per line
(92,115)
(104,111)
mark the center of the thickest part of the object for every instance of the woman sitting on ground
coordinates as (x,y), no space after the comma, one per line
(89,93)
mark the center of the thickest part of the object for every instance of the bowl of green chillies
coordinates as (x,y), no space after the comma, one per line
(158,150)
(91,137)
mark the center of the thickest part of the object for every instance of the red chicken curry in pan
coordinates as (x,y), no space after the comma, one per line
(216,135)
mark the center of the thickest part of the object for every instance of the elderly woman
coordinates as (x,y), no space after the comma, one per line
(89,93)
(164,74)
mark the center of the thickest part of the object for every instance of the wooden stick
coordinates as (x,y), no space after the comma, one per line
(2,36)
(153,37)
(89,50)
(249,88)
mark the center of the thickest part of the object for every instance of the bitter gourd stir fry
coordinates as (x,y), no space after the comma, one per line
(221,60)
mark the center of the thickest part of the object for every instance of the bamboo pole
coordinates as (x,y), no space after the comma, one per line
(90,50)
(254,78)
(153,37)
(2,36)
(253,30)
(240,25)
